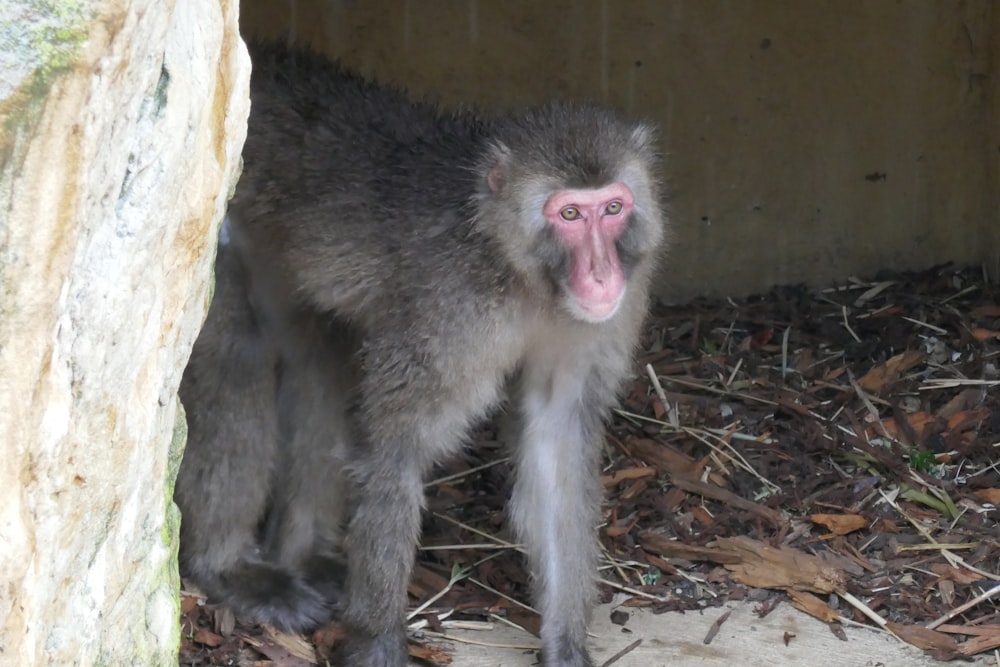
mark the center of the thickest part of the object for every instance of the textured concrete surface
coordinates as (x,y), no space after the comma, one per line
(677,640)
(806,141)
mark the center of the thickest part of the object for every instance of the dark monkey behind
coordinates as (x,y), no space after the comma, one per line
(389,275)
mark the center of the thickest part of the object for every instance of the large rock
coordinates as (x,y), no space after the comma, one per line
(121,124)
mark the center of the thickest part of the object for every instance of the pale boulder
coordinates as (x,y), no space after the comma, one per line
(121,125)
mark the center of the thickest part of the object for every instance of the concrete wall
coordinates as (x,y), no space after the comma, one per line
(808,140)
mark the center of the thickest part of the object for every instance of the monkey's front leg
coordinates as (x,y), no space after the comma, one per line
(555,509)
(380,543)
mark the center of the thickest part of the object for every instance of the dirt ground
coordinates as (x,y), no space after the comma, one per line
(837,450)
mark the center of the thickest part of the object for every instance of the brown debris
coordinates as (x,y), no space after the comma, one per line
(715,627)
(840,524)
(813,606)
(942,645)
(762,566)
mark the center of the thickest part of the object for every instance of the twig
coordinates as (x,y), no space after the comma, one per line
(481,533)
(943,383)
(968,605)
(732,454)
(868,404)
(673,411)
(716,626)
(784,353)
(622,653)
(633,591)
(473,642)
(714,431)
(462,547)
(937,330)
(863,608)
(457,575)
(843,310)
(466,473)
(506,597)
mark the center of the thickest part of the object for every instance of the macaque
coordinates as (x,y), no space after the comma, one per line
(389,275)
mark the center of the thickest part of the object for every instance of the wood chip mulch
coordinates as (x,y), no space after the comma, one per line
(838,448)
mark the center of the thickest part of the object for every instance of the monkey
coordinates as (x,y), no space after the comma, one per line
(390,274)
(238,409)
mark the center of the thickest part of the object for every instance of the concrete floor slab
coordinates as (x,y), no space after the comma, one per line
(677,640)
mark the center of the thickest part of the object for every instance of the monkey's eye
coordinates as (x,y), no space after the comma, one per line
(614,208)
(570,213)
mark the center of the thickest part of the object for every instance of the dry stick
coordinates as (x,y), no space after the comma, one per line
(622,653)
(863,608)
(958,562)
(723,392)
(868,404)
(716,626)
(633,591)
(784,353)
(673,411)
(456,577)
(732,454)
(937,330)
(506,597)
(732,376)
(968,605)
(614,563)
(473,642)
(466,473)
(848,326)
(463,547)
(481,533)
(625,414)
(509,623)
(970,288)
(953,559)
(657,387)
(944,383)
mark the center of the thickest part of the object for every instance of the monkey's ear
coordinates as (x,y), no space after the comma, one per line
(499,158)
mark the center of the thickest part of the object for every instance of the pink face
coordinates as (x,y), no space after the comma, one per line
(589,222)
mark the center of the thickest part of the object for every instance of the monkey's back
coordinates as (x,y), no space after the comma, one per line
(357,188)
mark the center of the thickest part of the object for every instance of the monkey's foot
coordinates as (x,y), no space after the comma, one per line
(567,654)
(274,596)
(381,651)
(327,574)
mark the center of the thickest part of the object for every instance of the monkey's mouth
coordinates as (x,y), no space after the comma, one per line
(595,311)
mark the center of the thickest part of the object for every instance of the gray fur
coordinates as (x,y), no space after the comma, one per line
(398,297)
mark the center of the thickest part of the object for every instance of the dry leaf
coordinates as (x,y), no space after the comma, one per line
(207,638)
(890,371)
(988,495)
(840,524)
(981,334)
(432,654)
(189,602)
(963,420)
